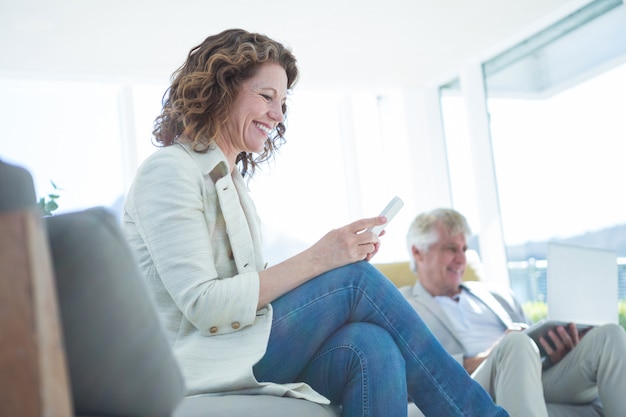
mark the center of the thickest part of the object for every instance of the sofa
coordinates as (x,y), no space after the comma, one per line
(81,336)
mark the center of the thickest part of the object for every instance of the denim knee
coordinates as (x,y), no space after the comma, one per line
(375,350)
(372,377)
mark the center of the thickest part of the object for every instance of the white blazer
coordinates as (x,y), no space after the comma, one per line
(197,239)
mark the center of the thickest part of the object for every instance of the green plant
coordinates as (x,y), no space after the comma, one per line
(48,204)
(622,313)
(535,310)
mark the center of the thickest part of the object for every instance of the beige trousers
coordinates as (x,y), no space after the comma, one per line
(589,382)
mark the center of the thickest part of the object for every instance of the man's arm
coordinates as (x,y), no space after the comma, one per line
(470,364)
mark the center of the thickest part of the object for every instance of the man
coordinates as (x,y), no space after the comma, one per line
(479,326)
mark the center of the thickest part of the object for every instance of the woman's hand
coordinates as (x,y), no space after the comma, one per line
(348,244)
(337,248)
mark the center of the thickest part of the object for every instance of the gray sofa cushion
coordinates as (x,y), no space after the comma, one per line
(120,363)
(16,188)
(252,406)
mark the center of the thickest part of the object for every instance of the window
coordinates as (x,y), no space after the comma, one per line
(67,133)
(463,180)
(555,105)
(334,169)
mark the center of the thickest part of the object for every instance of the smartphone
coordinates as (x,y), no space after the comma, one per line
(389,212)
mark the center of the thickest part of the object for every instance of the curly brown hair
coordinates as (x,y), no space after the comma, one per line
(203,89)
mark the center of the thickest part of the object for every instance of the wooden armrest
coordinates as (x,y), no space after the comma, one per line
(33,372)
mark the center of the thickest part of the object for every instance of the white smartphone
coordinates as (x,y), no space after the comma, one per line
(389,212)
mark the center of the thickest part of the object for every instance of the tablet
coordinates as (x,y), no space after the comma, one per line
(542,327)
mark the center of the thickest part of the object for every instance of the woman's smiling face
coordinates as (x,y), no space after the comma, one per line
(257,109)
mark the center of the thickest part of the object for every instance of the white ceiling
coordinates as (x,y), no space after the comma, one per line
(350,43)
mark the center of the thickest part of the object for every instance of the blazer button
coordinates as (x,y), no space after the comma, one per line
(235,325)
(213,329)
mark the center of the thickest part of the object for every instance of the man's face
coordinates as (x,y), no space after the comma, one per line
(440,269)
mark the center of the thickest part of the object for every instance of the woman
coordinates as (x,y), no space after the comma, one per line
(323,325)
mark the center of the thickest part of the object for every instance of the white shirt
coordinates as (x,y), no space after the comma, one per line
(477,326)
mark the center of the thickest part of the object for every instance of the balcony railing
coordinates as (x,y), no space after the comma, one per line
(529,279)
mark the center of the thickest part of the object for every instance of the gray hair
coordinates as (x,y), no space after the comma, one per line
(423,232)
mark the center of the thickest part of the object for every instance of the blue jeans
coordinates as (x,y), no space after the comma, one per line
(352,336)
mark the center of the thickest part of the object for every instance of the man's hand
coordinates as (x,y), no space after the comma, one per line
(562,340)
